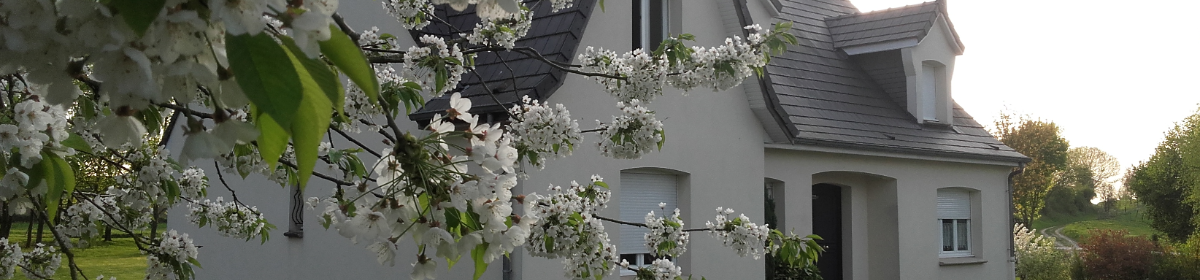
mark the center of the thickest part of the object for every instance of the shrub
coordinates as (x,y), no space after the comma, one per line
(1109,255)
(1037,259)
(1178,261)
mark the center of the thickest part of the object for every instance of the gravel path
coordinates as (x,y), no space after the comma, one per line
(1060,240)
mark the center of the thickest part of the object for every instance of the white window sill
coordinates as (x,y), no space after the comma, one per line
(944,261)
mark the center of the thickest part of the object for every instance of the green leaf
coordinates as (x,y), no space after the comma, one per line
(77,143)
(87,107)
(601,5)
(138,14)
(152,119)
(345,54)
(60,178)
(312,120)
(477,256)
(266,75)
(602,184)
(319,72)
(662,141)
(272,139)
(194,262)
(549,243)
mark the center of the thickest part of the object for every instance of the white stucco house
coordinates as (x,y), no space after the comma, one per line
(854,133)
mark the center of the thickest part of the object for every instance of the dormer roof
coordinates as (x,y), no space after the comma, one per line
(889,29)
(826,97)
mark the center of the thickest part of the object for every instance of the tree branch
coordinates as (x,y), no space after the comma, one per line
(341,23)
(355,141)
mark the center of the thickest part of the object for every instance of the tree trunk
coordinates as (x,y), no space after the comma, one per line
(6,221)
(29,229)
(107,233)
(41,225)
(153,223)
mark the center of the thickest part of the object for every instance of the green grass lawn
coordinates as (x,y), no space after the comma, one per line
(1054,221)
(119,258)
(1129,220)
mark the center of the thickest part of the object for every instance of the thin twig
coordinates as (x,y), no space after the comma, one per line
(221,176)
(318,174)
(66,248)
(355,141)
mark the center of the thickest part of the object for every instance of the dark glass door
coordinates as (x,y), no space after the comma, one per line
(827,223)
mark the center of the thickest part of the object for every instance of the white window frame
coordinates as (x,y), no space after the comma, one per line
(644,25)
(951,206)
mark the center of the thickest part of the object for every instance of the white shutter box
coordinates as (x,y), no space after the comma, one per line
(640,193)
(954,204)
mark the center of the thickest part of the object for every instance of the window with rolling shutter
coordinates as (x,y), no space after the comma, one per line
(954,219)
(641,193)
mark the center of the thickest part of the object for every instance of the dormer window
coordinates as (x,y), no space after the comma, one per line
(933,96)
(651,23)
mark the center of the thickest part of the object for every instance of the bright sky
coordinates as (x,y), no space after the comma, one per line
(1112,74)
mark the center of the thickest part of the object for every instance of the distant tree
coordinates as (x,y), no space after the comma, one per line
(1040,141)
(1103,168)
(1165,182)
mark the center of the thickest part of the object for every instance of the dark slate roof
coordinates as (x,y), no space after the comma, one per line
(827,98)
(512,75)
(908,22)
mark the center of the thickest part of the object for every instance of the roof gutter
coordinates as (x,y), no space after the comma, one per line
(760,94)
(1012,250)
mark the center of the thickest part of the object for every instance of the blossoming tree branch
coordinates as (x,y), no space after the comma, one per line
(256,85)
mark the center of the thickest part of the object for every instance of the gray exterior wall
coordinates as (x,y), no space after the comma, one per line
(715,142)
(890,228)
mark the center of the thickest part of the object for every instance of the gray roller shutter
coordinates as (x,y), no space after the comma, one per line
(640,193)
(954,204)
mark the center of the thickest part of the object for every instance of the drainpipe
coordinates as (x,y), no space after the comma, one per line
(1012,250)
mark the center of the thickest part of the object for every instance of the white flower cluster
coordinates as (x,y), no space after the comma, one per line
(41,262)
(502,31)
(486,9)
(666,236)
(380,213)
(371,38)
(80,220)
(744,236)
(313,25)
(558,5)
(174,249)
(633,133)
(193,183)
(421,65)
(721,67)
(568,229)
(412,14)
(547,132)
(10,258)
(230,218)
(664,269)
(1028,242)
(39,124)
(644,75)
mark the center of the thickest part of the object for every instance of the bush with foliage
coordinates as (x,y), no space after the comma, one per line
(1111,254)
(1037,258)
(1178,261)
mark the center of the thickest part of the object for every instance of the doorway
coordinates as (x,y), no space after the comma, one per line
(827,223)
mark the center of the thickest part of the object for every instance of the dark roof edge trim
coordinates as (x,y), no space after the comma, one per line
(910,151)
(764,80)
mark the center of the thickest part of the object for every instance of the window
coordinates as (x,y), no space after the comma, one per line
(954,218)
(640,193)
(932,90)
(651,23)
